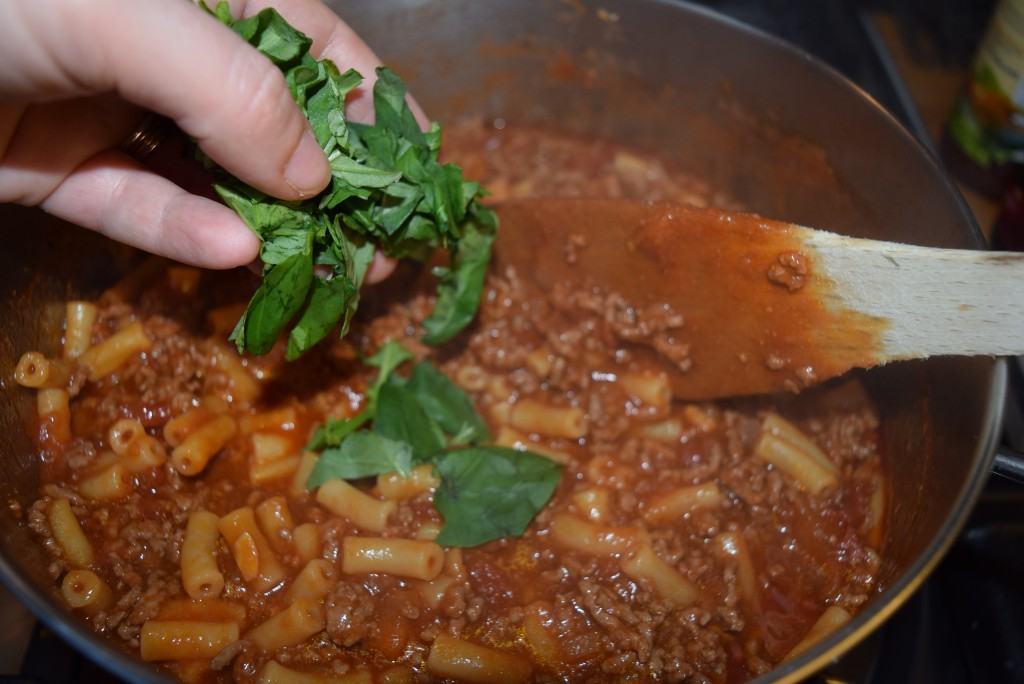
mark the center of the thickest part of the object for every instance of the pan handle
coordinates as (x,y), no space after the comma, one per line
(1009,464)
(1009,461)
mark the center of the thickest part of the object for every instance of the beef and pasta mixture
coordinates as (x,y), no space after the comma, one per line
(683,542)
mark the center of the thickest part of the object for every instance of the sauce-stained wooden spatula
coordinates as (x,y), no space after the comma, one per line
(771,306)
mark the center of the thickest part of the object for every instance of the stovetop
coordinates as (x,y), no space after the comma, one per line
(966,624)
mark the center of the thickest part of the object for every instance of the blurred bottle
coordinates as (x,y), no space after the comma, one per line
(984,145)
(986,129)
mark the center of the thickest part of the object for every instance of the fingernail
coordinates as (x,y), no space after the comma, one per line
(307,171)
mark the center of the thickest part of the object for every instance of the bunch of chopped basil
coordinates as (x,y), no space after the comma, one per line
(486,492)
(387,191)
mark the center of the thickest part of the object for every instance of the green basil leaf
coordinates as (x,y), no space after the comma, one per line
(390,108)
(269,33)
(447,404)
(305,77)
(394,214)
(387,191)
(361,175)
(390,356)
(334,432)
(419,230)
(399,416)
(263,216)
(279,298)
(487,493)
(283,245)
(362,454)
(341,190)
(327,305)
(433,139)
(416,165)
(381,145)
(325,108)
(444,196)
(461,286)
(284,230)
(358,260)
(222,11)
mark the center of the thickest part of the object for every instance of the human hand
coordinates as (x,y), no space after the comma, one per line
(79,76)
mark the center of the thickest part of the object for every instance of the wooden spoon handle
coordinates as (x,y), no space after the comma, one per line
(937,301)
(768,305)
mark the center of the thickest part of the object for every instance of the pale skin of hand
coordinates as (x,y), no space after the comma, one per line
(78,76)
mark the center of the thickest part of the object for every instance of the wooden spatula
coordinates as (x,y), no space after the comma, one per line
(771,306)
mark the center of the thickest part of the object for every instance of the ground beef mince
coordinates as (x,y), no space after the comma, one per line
(349,611)
(790,271)
(698,554)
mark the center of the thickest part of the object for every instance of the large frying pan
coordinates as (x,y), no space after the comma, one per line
(787,136)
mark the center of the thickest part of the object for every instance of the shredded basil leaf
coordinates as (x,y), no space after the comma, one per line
(491,492)
(447,404)
(327,305)
(461,283)
(363,454)
(486,492)
(334,432)
(389,357)
(269,33)
(387,191)
(400,417)
(278,299)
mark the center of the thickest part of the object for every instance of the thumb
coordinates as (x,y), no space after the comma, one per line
(219,89)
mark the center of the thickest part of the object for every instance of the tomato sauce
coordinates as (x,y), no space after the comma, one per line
(765,555)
